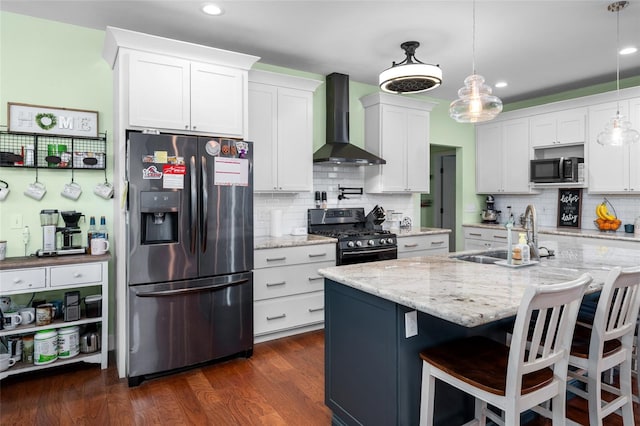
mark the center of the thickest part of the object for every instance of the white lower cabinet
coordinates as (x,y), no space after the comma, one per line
(288,292)
(422,245)
(36,278)
(484,238)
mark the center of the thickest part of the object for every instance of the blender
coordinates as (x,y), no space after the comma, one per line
(49,223)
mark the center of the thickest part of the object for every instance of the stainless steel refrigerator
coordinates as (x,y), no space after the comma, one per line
(190,251)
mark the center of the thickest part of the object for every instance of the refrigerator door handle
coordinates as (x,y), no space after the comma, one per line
(193,202)
(205,206)
(191,290)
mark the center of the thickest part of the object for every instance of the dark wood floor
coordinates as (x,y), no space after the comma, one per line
(282,384)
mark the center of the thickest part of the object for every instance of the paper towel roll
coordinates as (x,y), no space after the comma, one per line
(276,223)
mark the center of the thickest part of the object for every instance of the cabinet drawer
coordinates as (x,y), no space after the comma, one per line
(22,279)
(288,312)
(294,255)
(287,280)
(76,274)
(438,243)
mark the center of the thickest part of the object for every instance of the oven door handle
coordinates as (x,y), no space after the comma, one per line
(191,290)
(352,253)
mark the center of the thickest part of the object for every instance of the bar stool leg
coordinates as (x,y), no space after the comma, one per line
(427,396)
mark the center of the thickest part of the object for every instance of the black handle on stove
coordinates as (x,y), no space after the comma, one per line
(357,252)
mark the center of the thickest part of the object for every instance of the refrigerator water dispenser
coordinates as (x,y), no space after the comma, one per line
(159,215)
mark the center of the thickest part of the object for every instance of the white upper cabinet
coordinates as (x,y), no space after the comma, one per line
(557,128)
(397,129)
(170,93)
(170,85)
(502,157)
(613,169)
(281,127)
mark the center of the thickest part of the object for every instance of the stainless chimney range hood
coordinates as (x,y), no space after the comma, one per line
(338,150)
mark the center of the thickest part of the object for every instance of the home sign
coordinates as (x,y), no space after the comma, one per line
(45,120)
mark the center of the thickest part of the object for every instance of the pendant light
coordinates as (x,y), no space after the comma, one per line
(475,102)
(410,75)
(618,131)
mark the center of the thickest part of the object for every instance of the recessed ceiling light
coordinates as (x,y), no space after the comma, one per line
(628,50)
(211,9)
(501,84)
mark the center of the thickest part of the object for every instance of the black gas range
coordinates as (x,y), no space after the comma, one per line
(360,238)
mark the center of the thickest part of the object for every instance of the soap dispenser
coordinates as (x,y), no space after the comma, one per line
(524,247)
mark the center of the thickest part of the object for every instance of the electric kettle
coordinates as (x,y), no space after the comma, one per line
(90,342)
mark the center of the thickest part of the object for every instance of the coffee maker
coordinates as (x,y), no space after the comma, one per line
(49,221)
(490,215)
(69,233)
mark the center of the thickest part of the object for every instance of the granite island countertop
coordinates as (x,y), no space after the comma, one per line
(472,294)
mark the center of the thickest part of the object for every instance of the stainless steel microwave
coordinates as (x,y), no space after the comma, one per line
(552,170)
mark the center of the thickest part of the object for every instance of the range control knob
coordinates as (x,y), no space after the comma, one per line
(390,241)
(359,243)
(383,241)
(350,244)
(371,242)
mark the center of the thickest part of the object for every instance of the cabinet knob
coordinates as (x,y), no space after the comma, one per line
(77,275)
(193,128)
(17,280)
(186,127)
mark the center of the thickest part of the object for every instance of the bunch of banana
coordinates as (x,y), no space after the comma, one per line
(606,221)
(603,212)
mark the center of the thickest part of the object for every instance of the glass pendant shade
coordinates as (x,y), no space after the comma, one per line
(618,132)
(475,102)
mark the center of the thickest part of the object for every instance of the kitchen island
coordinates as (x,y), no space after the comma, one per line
(380,315)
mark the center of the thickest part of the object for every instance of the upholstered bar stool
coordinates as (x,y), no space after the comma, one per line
(479,366)
(607,344)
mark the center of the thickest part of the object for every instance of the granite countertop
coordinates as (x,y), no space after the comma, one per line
(585,233)
(260,243)
(35,262)
(472,294)
(414,231)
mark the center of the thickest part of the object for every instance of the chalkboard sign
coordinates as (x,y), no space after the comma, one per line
(569,207)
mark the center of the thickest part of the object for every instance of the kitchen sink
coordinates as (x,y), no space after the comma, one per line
(489,257)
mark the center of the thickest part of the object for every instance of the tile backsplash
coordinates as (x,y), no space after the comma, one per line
(325,178)
(627,207)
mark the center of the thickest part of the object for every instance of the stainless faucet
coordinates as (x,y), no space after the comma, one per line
(531,226)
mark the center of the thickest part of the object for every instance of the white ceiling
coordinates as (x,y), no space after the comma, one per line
(539,47)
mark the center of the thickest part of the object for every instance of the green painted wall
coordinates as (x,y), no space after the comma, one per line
(52,64)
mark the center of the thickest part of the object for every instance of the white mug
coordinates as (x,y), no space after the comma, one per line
(5,304)
(99,246)
(6,361)
(4,191)
(104,190)
(12,320)
(36,190)
(3,249)
(71,191)
(28,315)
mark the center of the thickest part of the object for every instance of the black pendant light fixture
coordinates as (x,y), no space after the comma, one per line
(410,75)
(618,131)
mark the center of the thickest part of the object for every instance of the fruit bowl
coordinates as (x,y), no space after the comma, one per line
(606,221)
(607,225)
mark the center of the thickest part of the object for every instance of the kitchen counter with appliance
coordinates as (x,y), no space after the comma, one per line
(583,233)
(33,261)
(261,243)
(380,315)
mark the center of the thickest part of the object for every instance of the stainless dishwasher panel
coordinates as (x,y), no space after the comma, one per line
(183,323)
